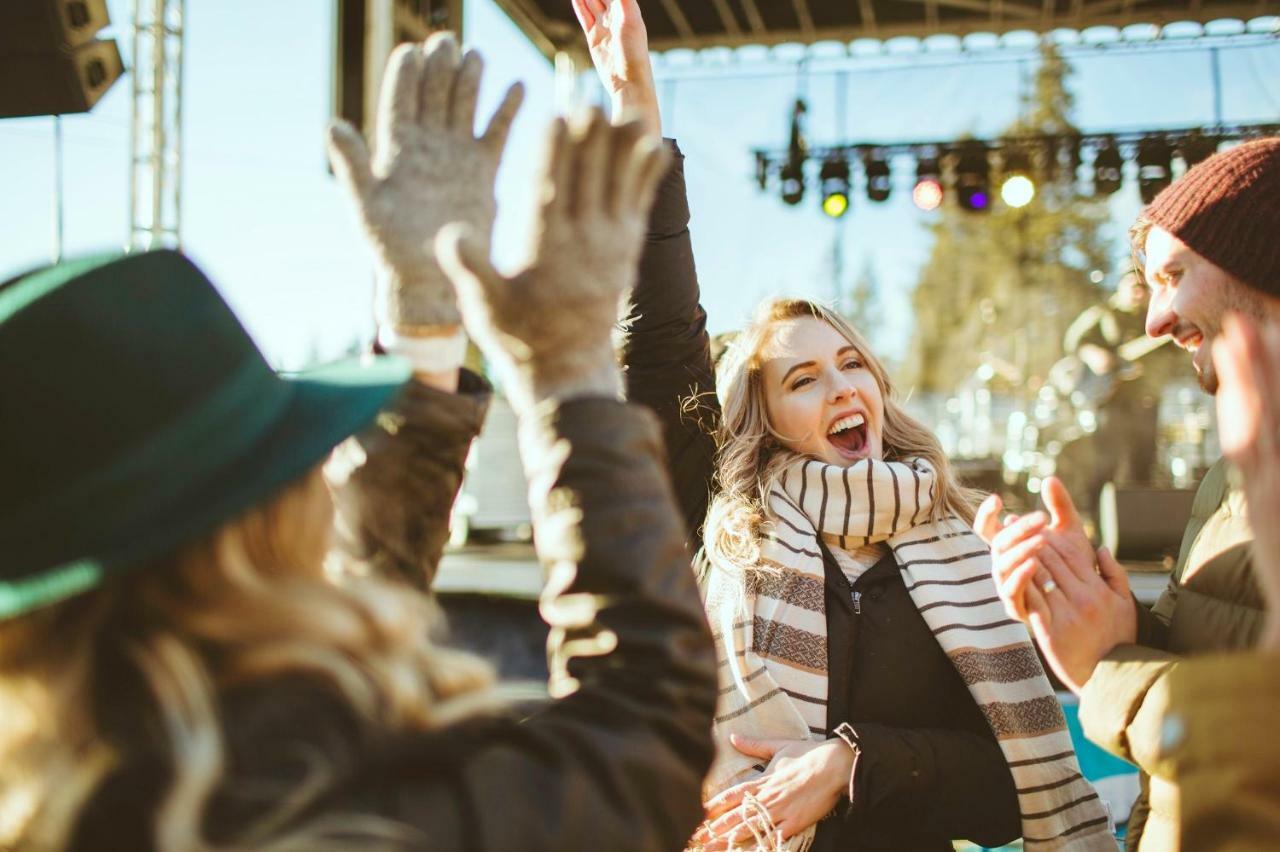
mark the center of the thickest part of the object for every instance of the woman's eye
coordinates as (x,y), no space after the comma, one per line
(801,382)
(851,364)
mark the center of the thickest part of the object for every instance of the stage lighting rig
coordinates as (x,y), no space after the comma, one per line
(973,177)
(1108,169)
(1155,167)
(879,179)
(834,179)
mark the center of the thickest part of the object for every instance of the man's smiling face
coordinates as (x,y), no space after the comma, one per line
(1189,298)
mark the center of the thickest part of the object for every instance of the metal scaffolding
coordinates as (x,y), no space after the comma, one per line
(155,166)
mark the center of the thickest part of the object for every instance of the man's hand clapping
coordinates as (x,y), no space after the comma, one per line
(1044,569)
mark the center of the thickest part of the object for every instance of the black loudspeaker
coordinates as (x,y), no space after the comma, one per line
(51,63)
(1143,524)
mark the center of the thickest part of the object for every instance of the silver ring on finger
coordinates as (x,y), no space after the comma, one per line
(1049,586)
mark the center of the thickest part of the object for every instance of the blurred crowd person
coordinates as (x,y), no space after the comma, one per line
(1207,246)
(868,673)
(201,648)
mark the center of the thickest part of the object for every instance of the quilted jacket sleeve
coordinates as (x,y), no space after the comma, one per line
(667,352)
(394,484)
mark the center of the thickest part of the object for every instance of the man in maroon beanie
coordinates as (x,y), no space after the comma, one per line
(1208,245)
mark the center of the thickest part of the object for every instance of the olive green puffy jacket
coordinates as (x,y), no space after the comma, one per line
(1212,604)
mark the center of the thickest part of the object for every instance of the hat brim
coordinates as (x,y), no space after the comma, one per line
(327,404)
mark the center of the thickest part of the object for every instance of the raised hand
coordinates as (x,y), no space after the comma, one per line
(428,169)
(619,46)
(548,329)
(1247,360)
(1044,569)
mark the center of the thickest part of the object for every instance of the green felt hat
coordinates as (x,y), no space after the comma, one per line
(136,413)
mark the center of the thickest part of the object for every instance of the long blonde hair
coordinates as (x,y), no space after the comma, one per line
(245,605)
(751,455)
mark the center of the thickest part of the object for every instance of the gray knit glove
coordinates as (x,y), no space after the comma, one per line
(548,329)
(428,169)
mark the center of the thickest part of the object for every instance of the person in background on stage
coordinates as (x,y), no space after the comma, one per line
(1207,246)
(198,648)
(1119,391)
(896,733)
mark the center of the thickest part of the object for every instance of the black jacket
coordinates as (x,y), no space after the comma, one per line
(617,765)
(667,352)
(930,769)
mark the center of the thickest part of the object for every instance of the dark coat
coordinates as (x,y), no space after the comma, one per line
(930,769)
(617,765)
(667,352)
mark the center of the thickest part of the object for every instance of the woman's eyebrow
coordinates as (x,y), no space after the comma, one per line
(794,367)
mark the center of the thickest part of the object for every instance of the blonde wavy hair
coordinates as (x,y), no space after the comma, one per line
(246,605)
(751,455)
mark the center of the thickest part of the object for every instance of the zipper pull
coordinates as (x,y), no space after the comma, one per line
(857,603)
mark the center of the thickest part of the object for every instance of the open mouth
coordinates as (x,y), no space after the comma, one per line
(849,435)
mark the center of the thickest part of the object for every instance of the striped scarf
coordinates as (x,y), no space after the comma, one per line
(773,640)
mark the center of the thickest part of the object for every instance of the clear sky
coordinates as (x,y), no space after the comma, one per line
(270,226)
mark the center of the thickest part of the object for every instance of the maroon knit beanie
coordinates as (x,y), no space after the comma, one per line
(1227,210)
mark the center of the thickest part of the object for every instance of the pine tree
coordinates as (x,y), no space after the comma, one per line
(863,303)
(1005,284)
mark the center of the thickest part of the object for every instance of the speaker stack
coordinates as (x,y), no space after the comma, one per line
(51,61)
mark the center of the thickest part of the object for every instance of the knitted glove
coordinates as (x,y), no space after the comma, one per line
(428,169)
(548,329)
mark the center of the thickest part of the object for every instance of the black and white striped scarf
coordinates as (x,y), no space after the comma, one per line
(772,635)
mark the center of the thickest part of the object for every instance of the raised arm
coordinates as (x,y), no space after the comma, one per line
(666,349)
(395,484)
(617,762)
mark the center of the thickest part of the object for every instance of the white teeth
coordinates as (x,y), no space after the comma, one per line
(846,423)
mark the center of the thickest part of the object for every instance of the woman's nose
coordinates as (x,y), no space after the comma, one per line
(840,389)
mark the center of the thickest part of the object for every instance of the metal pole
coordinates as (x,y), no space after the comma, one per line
(1216,70)
(158,146)
(57,188)
(179,41)
(134,118)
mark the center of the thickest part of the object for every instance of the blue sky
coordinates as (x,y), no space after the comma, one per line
(271,227)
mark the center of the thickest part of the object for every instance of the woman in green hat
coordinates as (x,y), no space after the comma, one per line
(202,643)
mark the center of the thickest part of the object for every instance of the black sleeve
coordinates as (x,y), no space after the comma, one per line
(955,782)
(617,764)
(667,351)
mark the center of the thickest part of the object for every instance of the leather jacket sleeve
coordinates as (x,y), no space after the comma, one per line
(667,352)
(394,484)
(617,762)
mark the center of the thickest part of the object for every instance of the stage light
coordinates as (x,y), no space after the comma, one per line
(834,179)
(1017,189)
(1108,169)
(1155,167)
(879,181)
(927,193)
(792,175)
(1195,148)
(973,177)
